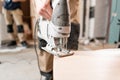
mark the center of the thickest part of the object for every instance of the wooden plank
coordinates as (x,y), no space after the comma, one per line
(89,65)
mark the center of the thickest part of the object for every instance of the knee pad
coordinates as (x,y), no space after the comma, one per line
(10,29)
(75,31)
(42,43)
(20,29)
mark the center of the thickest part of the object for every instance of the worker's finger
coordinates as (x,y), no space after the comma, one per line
(49,10)
(45,14)
(48,13)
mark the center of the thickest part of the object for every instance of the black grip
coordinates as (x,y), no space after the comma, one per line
(51,4)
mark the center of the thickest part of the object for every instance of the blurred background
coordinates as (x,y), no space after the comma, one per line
(99,20)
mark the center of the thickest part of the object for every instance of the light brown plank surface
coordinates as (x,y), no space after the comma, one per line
(89,65)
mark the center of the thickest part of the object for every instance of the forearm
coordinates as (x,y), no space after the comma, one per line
(18,0)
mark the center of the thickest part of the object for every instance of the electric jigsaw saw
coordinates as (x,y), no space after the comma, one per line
(53,34)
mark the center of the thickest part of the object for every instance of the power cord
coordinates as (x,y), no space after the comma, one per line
(35,44)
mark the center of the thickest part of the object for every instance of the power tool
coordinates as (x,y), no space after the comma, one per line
(54,33)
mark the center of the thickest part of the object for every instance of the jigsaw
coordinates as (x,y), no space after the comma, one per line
(54,34)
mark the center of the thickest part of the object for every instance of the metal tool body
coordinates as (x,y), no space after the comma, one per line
(55,32)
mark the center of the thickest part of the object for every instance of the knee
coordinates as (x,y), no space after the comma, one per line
(10,29)
(20,29)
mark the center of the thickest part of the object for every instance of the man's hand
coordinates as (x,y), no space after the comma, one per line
(46,10)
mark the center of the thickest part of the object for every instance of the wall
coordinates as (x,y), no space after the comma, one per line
(96,27)
(2,26)
(3,29)
(101,18)
(114,28)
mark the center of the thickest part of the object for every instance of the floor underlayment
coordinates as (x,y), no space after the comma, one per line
(22,64)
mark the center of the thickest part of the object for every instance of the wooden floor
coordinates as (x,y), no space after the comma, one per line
(89,65)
